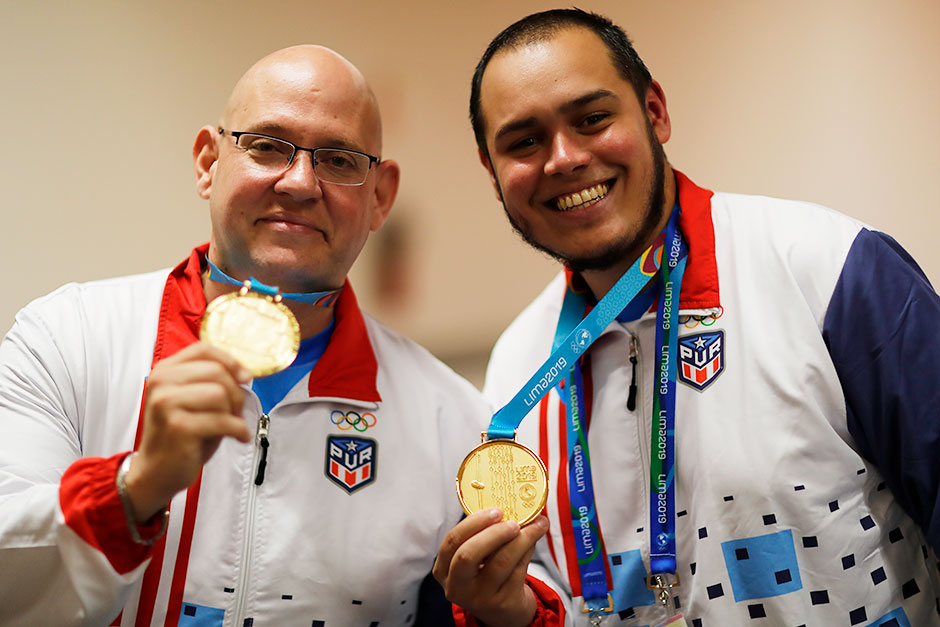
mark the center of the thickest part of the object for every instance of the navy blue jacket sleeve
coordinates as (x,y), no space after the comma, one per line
(882,332)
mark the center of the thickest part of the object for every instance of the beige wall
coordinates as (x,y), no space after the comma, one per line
(834,102)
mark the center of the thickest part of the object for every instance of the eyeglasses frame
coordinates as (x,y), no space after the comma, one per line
(373,160)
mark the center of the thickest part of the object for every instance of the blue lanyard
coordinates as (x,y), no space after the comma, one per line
(566,352)
(586,530)
(592,560)
(323,299)
(663,430)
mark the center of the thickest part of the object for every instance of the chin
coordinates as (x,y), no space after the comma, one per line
(607,258)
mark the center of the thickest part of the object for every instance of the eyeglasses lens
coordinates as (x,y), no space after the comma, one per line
(329,164)
(340,166)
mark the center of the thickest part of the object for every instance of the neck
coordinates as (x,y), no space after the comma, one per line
(312,318)
(601,281)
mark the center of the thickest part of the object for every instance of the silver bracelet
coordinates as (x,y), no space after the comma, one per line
(129,509)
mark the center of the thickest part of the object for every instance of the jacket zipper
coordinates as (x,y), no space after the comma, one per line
(259,460)
(631,398)
(263,423)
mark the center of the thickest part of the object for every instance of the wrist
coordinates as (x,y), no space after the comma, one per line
(140,515)
(521,616)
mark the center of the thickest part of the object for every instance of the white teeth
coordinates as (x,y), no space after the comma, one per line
(585,197)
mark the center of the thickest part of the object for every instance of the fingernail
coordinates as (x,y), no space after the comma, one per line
(243,376)
(542,522)
(513,526)
(494,513)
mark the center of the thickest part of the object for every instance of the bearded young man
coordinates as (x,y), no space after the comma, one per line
(767,453)
(313,496)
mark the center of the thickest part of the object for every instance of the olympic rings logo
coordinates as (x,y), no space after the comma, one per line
(690,322)
(353,420)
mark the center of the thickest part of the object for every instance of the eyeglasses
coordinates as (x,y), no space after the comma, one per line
(331,165)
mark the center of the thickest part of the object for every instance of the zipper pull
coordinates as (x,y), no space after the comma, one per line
(631,398)
(263,423)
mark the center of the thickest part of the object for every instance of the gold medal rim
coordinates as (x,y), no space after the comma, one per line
(220,302)
(506,442)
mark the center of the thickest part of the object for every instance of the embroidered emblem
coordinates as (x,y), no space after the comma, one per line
(701,358)
(353,420)
(351,461)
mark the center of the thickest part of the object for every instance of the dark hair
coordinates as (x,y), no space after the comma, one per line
(542,26)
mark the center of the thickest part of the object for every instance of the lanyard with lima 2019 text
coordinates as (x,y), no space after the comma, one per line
(566,352)
(586,531)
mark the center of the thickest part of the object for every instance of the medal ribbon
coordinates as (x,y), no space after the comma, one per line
(592,559)
(566,352)
(663,430)
(322,299)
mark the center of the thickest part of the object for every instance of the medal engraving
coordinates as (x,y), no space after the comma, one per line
(503,474)
(257,330)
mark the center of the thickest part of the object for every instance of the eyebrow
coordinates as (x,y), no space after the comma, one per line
(568,107)
(276,130)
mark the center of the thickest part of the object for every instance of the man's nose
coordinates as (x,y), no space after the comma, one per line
(300,178)
(568,154)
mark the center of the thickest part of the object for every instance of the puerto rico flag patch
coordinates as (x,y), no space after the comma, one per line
(701,358)
(350,461)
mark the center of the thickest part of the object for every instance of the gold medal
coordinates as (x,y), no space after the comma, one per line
(504,474)
(256,329)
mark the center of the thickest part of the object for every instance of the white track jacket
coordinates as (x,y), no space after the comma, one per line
(357,495)
(807,426)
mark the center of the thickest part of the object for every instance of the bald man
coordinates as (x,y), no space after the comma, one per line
(314,496)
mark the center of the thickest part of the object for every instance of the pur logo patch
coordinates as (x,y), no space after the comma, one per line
(351,461)
(701,358)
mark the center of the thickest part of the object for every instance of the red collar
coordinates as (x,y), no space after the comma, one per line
(347,369)
(700,280)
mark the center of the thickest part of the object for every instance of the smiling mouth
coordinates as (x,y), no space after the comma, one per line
(584,198)
(287,221)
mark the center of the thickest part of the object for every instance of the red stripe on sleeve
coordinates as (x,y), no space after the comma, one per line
(148,589)
(182,554)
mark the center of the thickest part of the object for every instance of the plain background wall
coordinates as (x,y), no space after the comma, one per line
(834,102)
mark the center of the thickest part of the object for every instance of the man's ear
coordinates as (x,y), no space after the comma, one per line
(205,156)
(657,113)
(485,160)
(387,175)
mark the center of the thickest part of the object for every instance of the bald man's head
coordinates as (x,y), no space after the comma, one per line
(314,70)
(279,221)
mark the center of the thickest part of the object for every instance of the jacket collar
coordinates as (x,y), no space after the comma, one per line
(700,280)
(347,369)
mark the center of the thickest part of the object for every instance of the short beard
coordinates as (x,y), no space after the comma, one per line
(630,246)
